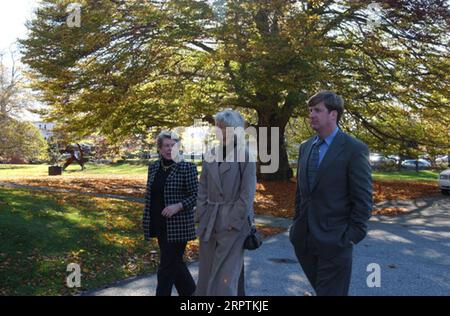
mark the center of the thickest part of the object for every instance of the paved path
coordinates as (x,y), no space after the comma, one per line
(413,252)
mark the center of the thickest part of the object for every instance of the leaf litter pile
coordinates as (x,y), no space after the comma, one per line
(275,198)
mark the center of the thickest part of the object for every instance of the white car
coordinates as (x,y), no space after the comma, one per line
(378,160)
(411,164)
(444,182)
(442,160)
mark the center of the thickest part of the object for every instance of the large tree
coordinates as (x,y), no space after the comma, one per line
(136,64)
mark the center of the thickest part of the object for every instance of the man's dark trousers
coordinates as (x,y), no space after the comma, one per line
(328,276)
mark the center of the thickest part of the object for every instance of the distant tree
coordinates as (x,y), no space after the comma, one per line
(21,140)
(14,95)
(18,140)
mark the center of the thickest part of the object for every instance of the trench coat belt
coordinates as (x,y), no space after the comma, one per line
(213,216)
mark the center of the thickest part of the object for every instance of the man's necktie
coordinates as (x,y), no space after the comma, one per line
(313,163)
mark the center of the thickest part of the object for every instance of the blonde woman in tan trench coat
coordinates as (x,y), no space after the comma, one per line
(226,192)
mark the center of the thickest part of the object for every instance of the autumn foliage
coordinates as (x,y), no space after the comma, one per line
(275,198)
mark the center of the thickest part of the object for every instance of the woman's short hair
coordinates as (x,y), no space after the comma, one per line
(332,101)
(230,118)
(166,135)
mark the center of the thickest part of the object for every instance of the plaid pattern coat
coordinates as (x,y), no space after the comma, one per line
(181,186)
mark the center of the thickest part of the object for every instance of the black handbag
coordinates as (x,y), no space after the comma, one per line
(254,239)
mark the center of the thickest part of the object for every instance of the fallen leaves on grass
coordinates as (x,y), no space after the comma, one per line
(403,190)
(105,185)
(119,239)
(275,198)
(390,211)
(191,252)
(267,231)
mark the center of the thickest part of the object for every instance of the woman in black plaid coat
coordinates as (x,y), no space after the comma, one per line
(169,215)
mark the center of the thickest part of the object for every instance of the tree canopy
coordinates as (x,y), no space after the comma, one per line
(137,64)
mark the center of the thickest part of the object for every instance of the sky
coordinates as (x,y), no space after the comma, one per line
(13,15)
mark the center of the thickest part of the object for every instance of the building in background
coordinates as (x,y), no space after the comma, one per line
(45,128)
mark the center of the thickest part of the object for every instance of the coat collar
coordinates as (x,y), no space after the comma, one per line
(217,171)
(172,171)
(154,167)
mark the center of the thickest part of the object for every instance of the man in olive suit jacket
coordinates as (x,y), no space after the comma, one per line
(333,198)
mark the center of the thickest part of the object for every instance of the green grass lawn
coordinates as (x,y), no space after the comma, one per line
(12,171)
(118,169)
(41,233)
(404,175)
(8,171)
(423,175)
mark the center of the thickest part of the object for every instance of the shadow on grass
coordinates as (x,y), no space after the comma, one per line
(41,233)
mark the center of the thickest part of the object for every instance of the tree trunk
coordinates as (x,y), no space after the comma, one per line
(400,160)
(284,171)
